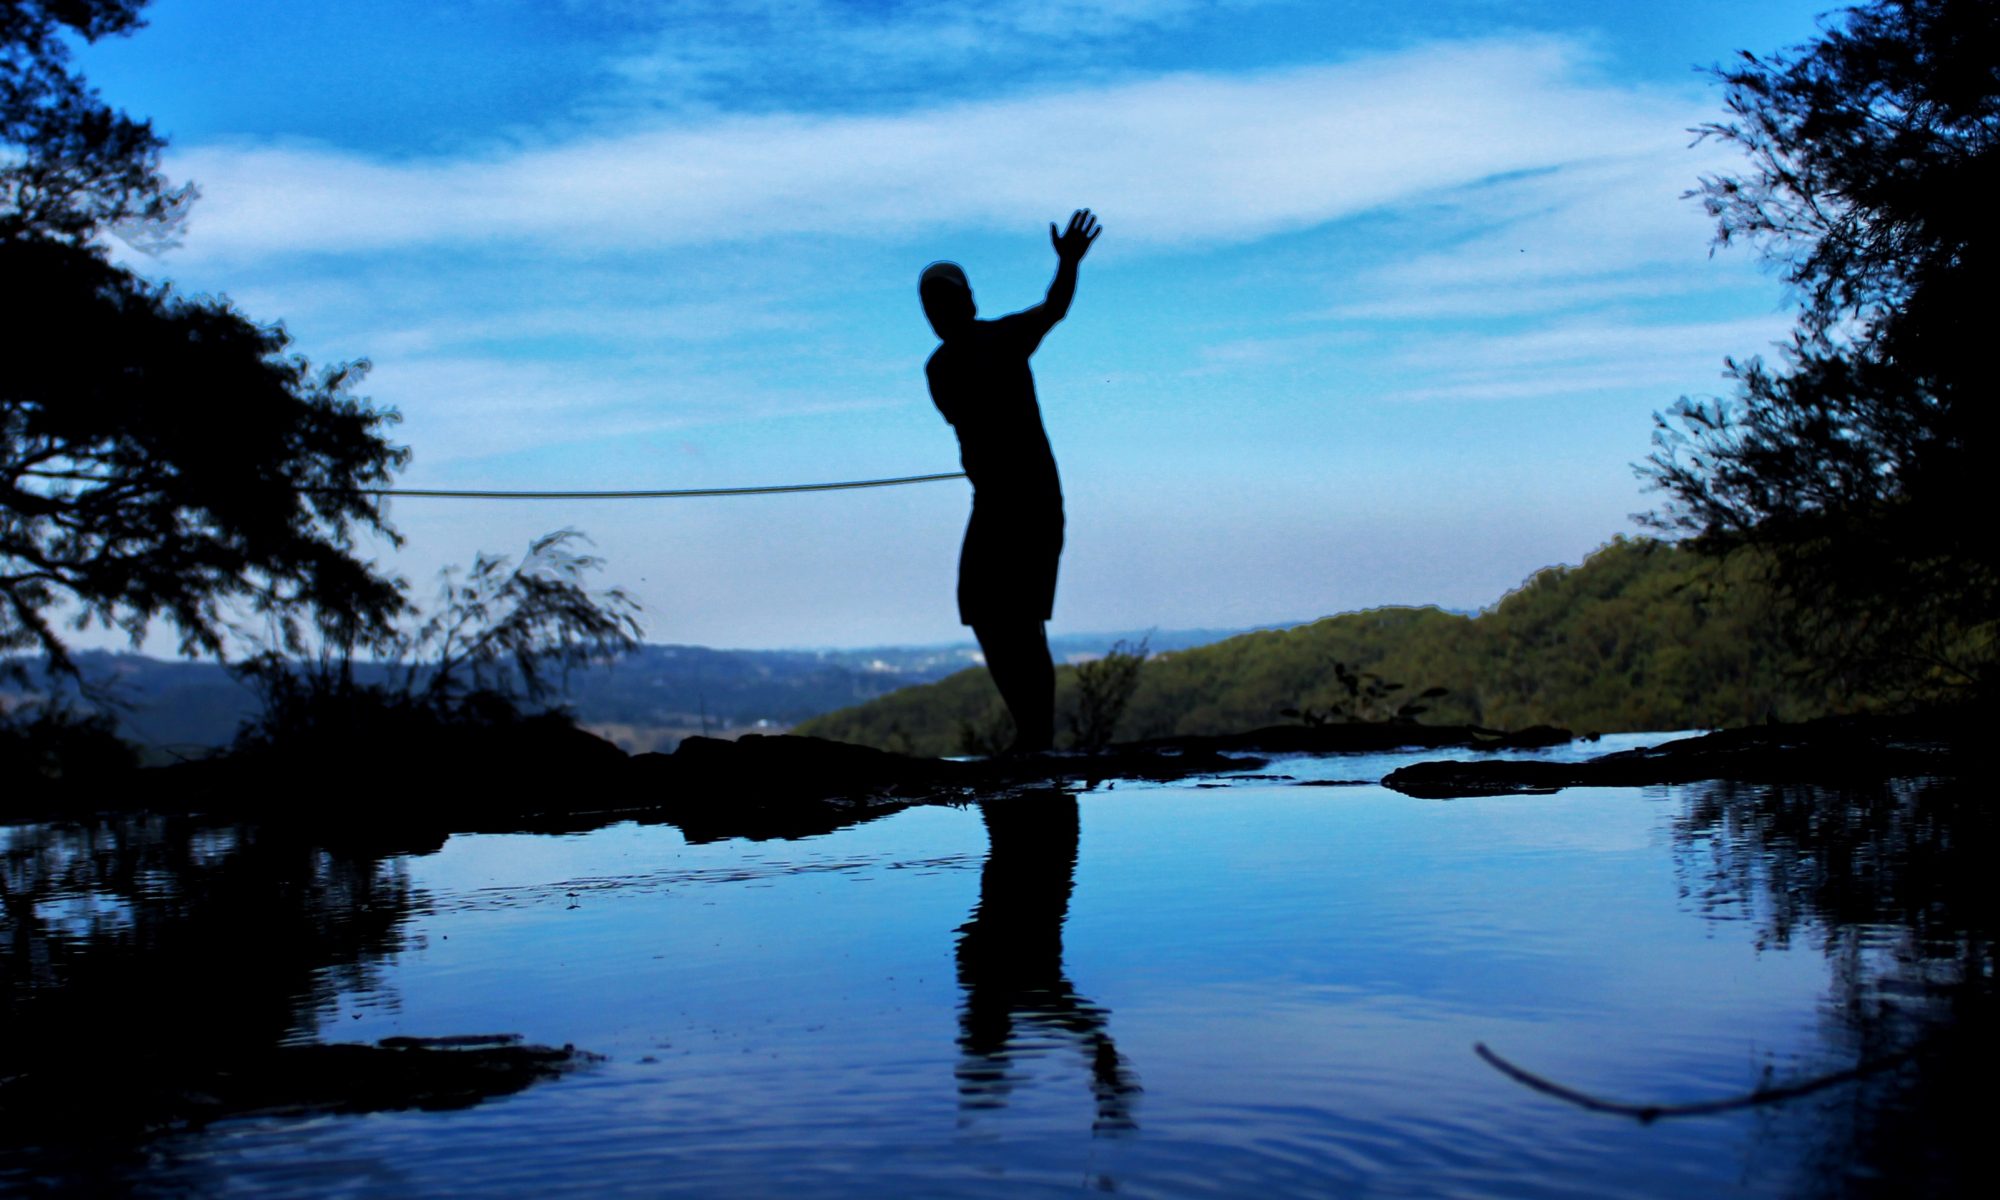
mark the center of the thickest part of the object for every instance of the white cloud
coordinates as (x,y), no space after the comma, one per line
(1580,235)
(1580,356)
(712,321)
(462,408)
(1174,160)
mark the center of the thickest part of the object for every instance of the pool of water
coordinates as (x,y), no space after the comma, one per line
(1226,987)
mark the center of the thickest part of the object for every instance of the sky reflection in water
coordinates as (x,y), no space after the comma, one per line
(1170,990)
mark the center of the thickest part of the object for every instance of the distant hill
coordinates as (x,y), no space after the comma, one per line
(1642,635)
(648,700)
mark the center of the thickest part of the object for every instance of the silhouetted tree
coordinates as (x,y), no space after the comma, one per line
(161,456)
(43,743)
(78,166)
(1858,461)
(498,635)
(1103,688)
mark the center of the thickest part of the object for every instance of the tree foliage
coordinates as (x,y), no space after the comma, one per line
(1370,699)
(498,634)
(161,456)
(1856,462)
(1104,688)
(519,629)
(43,743)
(77,166)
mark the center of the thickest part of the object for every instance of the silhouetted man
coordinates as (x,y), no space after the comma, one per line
(1007,569)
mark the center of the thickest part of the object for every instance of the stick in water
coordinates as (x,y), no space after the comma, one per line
(1650,1112)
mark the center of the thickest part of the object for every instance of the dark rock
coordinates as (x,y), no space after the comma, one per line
(396,1073)
(540,774)
(785,767)
(72,1102)
(790,786)
(1833,750)
(1158,761)
(1365,737)
(1532,738)
(778,786)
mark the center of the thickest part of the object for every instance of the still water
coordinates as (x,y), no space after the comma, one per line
(1228,987)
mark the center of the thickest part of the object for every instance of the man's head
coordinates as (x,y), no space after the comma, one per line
(947,298)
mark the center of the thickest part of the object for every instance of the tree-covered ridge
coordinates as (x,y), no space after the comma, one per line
(1642,635)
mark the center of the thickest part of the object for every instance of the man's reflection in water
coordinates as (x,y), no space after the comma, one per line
(1018,1003)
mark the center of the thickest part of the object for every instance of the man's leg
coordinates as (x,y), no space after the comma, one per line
(1017,656)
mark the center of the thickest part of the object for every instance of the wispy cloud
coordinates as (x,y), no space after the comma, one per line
(1584,355)
(464,408)
(1181,159)
(1579,235)
(759,55)
(622,324)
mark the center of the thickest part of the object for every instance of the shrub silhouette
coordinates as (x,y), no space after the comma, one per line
(500,636)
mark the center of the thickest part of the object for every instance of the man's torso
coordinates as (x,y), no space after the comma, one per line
(982,385)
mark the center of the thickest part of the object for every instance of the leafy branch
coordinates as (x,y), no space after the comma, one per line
(499,634)
(1368,698)
(1104,687)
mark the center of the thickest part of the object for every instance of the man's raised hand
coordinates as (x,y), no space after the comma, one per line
(1071,243)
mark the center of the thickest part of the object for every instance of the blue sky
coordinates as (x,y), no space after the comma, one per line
(1386,297)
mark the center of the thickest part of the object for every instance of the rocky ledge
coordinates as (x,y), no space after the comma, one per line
(1835,750)
(544,776)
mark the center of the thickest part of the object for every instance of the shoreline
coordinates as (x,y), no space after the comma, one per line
(553,778)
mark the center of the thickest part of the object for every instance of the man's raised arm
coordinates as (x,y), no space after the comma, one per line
(1071,245)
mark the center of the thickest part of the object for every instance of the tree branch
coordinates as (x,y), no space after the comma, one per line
(1646,1113)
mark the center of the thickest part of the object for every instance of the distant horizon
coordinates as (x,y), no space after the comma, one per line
(100,641)
(1056,636)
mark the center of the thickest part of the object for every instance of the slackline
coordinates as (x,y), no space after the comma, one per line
(664,494)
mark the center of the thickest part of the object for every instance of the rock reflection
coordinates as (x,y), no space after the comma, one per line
(1018,1002)
(144,935)
(141,953)
(1892,883)
(159,973)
